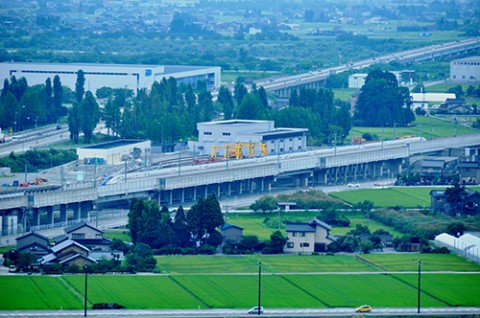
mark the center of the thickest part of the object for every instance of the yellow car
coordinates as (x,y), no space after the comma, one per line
(364,308)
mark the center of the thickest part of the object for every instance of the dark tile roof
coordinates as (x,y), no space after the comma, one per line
(34,234)
(299,227)
(76,226)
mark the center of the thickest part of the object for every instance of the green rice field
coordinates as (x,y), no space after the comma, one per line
(231,282)
(429,262)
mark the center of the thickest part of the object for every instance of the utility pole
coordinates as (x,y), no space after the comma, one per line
(259,286)
(418,291)
(86,289)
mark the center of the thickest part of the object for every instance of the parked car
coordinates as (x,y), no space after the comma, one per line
(254,310)
(353,185)
(364,308)
(12,269)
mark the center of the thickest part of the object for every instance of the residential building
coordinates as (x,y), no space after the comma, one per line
(466,70)
(469,203)
(88,236)
(313,236)
(231,233)
(426,100)
(33,243)
(134,77)
(435,166)
(68,252)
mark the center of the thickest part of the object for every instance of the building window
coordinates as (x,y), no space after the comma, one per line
(272,142)
(98,236)
(281,149)
(299,147)
(291,139)
(299,138)
(78,236)
(281,140)
(208,133)
(226,134)
(289,245)
(294,234)
(302,234)
(304,244)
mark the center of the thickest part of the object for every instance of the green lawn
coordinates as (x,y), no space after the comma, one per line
(252,223)
(35,292)
(358,218)
(118,234)
(429,262)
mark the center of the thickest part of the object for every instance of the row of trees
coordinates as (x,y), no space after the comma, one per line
(153,226)
(23,106)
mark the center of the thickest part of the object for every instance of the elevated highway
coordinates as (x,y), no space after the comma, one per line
(282,86)
(182,184)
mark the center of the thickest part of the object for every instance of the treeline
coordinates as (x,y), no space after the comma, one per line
(191,232)
(23,107)
(169,112)
(34,160)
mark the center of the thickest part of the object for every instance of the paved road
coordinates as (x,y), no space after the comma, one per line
(307,312)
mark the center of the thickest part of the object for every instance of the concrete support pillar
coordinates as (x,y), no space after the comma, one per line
(171,198)
(49,210)
(229,191)
(241,188)
(76,211)
(182,200)
(262,185)
(9,225)
(194,194)
(35,216)
(63,213)
(206,191)
(85,208)
(218,190)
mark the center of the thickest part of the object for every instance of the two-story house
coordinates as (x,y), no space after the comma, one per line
(88,236)
(313,236)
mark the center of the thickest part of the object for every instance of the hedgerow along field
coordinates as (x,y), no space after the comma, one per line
(305,281)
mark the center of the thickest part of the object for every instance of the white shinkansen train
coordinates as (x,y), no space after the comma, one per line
(165,172)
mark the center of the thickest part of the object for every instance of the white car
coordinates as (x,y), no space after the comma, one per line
(353,185)
(255,311)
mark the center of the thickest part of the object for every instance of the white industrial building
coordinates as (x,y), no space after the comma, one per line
(423,100)
(466,70)
(134,77)
(356,80)
(116,152)
(404,77)
(257,135)
(467,245)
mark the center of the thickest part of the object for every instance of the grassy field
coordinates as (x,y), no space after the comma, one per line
(118,234)
(409,197)
(427,127)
